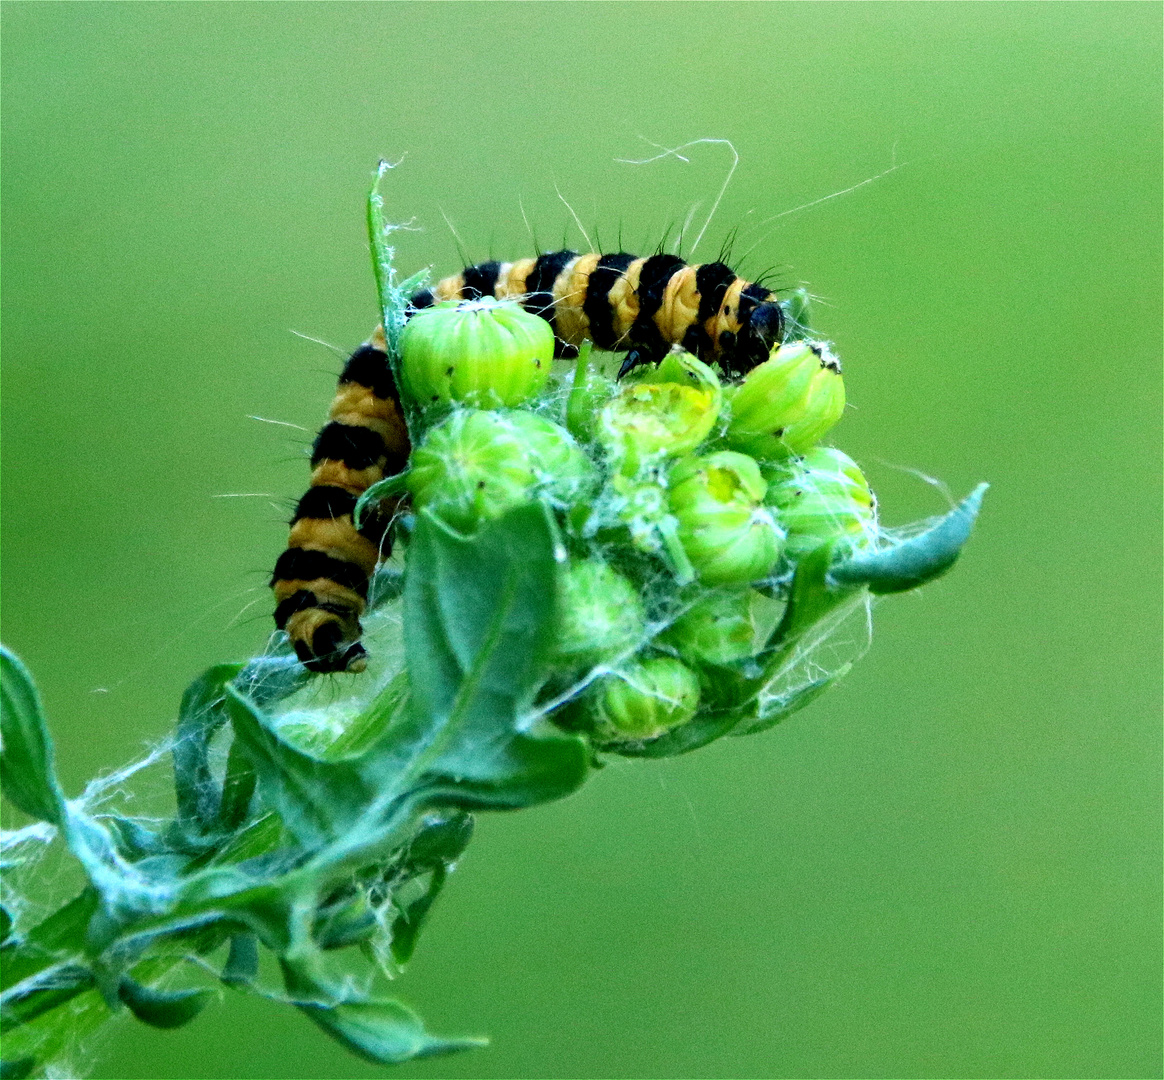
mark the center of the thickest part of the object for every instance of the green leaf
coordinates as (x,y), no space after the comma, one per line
(479,620)
(782,706)
(431,854)
(17,1069)
(26,753)
(162,1008)
(242,961)
(34,996)
(703,729)
(5,926)
(317,800)
(440,840)
(915,561)
(268,679)
(383,1031)
(411,916)
(393,296)
(344,923)
(367,729)
(61,932)
(238,788)
(200,715)
(809,601)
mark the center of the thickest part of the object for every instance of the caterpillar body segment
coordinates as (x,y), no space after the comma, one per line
(321,580)
(625,303)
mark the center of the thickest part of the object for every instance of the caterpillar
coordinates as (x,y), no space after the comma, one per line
(640,306)
(321,580)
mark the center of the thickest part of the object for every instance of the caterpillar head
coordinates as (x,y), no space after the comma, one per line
(763,331)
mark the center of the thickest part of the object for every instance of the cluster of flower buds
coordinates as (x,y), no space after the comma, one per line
(684,503)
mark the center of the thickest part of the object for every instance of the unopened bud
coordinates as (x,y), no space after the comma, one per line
(822,496)
(727,533)
(476,465)
(669,411)
(644,700)
(487,353)
(601,614)
(787,404)
(718,629)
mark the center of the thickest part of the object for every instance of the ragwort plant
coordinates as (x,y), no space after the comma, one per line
(585,568)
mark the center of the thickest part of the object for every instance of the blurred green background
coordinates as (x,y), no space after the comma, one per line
(950,866)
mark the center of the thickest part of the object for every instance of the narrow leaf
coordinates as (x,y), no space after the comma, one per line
(33,997)
(915,561)
(134,840)
(383,1031)
(268,679)
(242,961)
(771,713)
(61,932)
(345,924)
(440,840)
(201,714)
(26,750)
(409,922)
(162,1008)
(238,788)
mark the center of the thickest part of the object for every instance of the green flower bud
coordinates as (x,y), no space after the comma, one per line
(644,700)
(668,412)
(729,536)
(563,470)
(788,403)
(822,496)
(601,614)
(718,629)
(476,465)
(486,353)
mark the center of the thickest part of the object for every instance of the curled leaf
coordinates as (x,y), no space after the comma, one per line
(917,560)
(200,715)
(242,961)
(383,1031)
(162,1008)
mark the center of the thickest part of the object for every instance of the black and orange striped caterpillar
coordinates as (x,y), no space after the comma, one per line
(640,306)
(321,580)
(622,303)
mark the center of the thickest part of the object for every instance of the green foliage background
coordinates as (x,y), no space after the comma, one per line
(948,866)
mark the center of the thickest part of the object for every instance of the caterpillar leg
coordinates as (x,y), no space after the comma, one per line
(321,580)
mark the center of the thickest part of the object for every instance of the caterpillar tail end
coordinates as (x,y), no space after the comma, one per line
(326,644)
